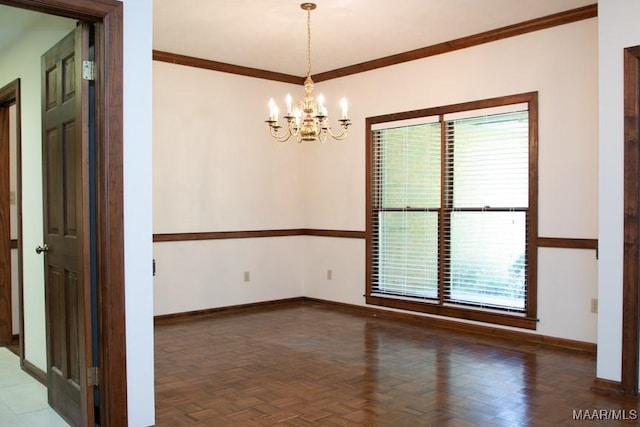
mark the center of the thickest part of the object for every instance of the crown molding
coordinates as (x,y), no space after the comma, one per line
(557,19)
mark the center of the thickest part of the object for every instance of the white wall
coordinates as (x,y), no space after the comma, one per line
(205,274)
(210,177)
(22,60)
(217,169)
(561,64)
(617,29)
(138,30)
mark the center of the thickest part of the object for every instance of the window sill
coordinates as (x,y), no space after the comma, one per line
(467,313)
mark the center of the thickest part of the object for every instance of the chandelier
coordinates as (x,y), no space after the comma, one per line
(309,119)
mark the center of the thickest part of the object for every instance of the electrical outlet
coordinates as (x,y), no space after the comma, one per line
(12,197)
(594,305)
(329,274)
(247,276)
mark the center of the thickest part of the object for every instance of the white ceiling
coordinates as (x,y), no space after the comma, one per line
(271,34)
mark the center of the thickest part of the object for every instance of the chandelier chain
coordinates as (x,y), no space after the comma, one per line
(308,42)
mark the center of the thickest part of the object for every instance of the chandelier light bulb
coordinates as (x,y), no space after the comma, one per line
(288,101)
(344,106)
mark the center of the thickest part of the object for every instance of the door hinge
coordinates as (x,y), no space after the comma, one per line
(93,377)
(88,70)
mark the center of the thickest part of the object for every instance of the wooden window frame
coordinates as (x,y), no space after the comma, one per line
(526,320)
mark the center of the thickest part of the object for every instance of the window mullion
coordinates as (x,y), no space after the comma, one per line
(446,200)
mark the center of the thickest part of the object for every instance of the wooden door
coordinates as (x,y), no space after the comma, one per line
(65,172)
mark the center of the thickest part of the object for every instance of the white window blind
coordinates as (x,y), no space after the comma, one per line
(450,209)
(487,174)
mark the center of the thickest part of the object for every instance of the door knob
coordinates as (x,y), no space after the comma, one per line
(43,248)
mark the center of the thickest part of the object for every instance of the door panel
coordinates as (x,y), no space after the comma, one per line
(66,224)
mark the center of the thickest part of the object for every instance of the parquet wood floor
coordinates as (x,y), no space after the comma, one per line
(305,364)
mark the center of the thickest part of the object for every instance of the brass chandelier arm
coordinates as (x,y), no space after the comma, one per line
(326,129)
(340,136)
(274,130)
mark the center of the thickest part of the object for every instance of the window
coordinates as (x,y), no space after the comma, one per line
(452,210)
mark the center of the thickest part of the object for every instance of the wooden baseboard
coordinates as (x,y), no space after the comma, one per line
(34,371)
(388,314)
(601,385)
(190,315)
(464,327)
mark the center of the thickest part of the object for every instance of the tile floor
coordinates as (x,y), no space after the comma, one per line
(23,400)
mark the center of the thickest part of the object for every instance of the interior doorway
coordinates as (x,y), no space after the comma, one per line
(107,16)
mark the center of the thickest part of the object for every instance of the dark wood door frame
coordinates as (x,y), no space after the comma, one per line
(108,17)
(10,95)
(631,261)
(5,232)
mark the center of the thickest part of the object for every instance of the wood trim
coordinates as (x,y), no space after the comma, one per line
(601,385)
(190,61)
(562,18)
(567,243)
(388,314)
(19,243)
(164,319)
(217,235)
(631,267)
(461,326)
(532,216)
(108,15)
(34,371)
(76,9)
(467,313)
(561,242)
(369,219)
(527,97)
(346,234)
(110,219)
(82,35)
(6,316)
(253,234)
(10,95)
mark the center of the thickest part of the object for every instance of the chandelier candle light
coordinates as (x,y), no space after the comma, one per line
(309,120)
